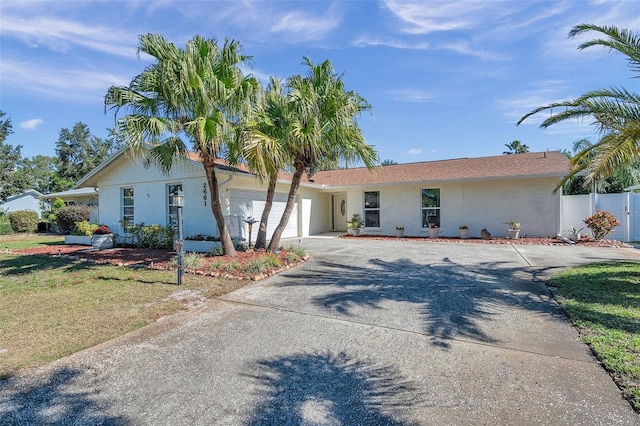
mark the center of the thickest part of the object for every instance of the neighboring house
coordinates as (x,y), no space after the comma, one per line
(28,200)
(479,192)
(87,196)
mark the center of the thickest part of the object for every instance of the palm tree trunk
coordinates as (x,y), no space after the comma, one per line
(293,191)
(216,207)
(261,239)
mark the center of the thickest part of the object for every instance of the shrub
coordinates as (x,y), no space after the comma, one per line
(24,221)
(84,228)
(152,236)
(216,251)
(68,216)
(233,265)
(5,224)
(216,264)
(601,224)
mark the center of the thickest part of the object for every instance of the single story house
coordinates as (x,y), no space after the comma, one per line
(28,200)
(87,196)
(481,193)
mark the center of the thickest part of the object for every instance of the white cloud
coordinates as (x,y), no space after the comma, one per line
(304,26)
(31,124)
(410,95)
(397,44)
(414,151)
(61,35)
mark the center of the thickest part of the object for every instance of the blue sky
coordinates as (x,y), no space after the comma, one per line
(446,79)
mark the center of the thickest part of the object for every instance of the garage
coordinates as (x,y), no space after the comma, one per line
(244,204)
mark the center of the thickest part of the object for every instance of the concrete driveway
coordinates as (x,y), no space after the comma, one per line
(365,333)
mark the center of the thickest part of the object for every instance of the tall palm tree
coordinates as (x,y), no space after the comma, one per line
(198,93)
(322,126)
(516,147)
(615,111)
(264,148)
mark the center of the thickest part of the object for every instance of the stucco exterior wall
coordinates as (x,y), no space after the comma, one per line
(482,204)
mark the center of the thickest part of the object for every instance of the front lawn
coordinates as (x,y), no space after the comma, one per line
(603,301)
(51,307)
(22,241)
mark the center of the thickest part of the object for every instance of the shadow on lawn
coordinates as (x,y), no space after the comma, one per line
(27,264)
(328,388)
(452,298)
(52,402)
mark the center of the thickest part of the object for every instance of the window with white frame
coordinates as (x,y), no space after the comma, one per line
(127,205)
(430,207)
(172,210)
(372,209)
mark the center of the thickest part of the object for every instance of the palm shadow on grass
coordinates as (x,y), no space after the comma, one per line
(318,388)
(27,264)
(451,298)
(51,402)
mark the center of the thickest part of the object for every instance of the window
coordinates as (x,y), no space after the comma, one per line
(172,210)
(430,207)
(127,205)
(372,209)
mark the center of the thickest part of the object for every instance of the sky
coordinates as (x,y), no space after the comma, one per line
(446,79)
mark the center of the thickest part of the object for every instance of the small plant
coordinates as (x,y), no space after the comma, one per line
(256,266)
(216,264)
(192,261)
(433,226)
(513,225)
(295,253)
(463,227)
(102,230)
(355,222)
(84,228)
(216,251)
(399,228)
(232,265)
(601,224)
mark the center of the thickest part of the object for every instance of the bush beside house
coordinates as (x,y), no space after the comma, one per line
(24,221)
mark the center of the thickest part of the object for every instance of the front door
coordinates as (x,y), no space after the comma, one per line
(340,212)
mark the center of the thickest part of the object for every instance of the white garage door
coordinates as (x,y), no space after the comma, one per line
(244,204)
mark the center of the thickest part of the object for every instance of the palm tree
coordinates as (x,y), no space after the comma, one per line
(264,148)
(322,126)
(199,93)
(615,111)
(516,147)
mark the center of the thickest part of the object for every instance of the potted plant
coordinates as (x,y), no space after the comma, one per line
(102,238)
(433,230)
(514,230)
(399,231)
(355,224)
(574,233)
(464,232)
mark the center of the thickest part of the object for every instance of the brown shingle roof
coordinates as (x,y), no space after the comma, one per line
(551,163)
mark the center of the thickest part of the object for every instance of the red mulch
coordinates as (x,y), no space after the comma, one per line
(149,258)
(584,242)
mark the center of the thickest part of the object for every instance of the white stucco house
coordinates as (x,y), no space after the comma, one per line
(481,193)
(28,200)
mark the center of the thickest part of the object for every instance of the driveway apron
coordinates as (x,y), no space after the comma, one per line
(366,332)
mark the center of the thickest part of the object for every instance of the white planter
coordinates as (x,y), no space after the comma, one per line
(464,233)
(574,237)
(433,232)
(513,234)
(399,233)
(81,240)
(101,242)
(200,246)
(356,232)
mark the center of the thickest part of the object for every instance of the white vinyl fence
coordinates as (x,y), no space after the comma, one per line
(625,207)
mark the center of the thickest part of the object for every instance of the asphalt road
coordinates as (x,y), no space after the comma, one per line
(365,333)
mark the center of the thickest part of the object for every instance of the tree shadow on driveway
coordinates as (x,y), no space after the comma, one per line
(303,388)
(452,299)
(52,403)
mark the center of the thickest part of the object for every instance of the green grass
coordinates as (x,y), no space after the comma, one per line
(22,241)
(51,307)
(603,301)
